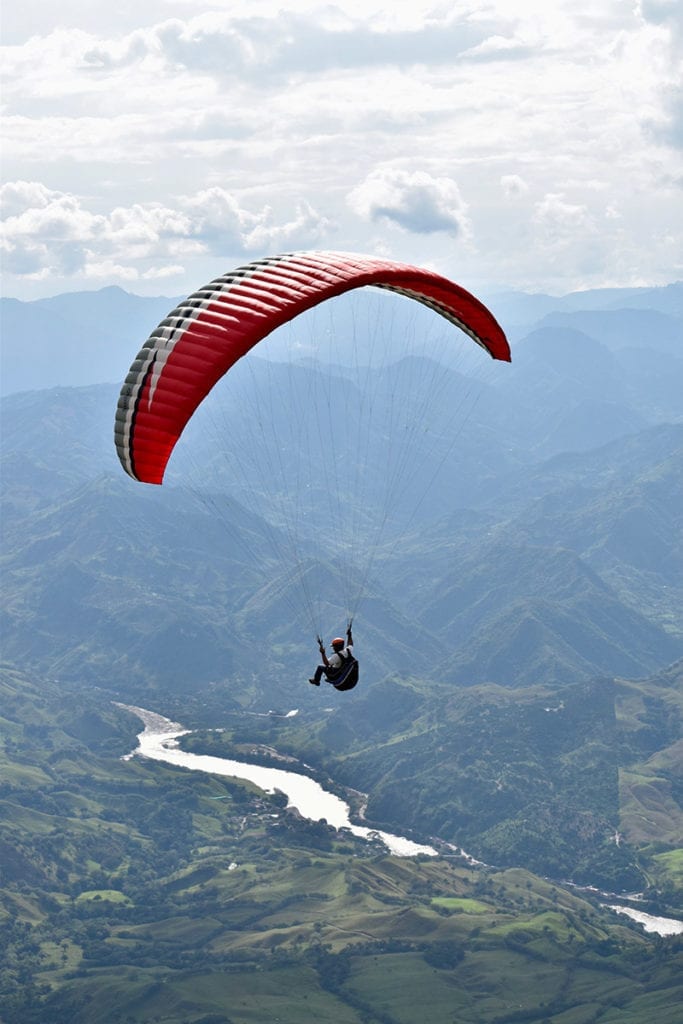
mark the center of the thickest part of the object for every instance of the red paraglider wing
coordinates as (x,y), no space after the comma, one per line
(203,337)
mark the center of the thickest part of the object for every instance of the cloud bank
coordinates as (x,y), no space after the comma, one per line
(534,146)
(45,233)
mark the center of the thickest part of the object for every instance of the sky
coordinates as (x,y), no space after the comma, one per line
(156,144)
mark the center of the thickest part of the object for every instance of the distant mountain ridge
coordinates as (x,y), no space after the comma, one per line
(524,309)
(75,339)
(82,338)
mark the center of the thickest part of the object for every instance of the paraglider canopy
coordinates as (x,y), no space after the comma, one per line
(200,340)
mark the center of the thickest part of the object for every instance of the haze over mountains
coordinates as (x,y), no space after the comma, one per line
(81,338)
(550,551)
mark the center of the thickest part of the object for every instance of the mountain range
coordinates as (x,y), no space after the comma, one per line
(533,554)
(550,548)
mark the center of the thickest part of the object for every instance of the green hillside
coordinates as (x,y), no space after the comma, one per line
(579,781)
(131,891)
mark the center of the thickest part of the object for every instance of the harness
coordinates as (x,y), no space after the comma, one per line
(346,676)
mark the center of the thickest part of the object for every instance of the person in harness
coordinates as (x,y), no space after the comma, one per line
(341,668)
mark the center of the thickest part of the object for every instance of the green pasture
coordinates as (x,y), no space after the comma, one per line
(669,868)
(462,904)
(109,895)
(648,1008)
(287,995)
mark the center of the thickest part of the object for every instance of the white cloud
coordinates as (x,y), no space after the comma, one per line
(173,136)
(558,217)
(667,122)
(306,230)
(243,49)
(42,229)
(159,273)
(415,201)
(104,270)
(45,231)
(513,185)
(223,225)
(18,196)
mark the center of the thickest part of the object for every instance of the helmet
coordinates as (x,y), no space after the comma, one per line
(338,641)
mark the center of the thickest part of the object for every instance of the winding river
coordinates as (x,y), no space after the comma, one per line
(656,925)
(159,742)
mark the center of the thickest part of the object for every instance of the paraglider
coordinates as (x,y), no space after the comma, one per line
(203,338)
(341,668)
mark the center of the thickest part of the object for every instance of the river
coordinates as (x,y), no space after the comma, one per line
(159,742)
(656,925)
